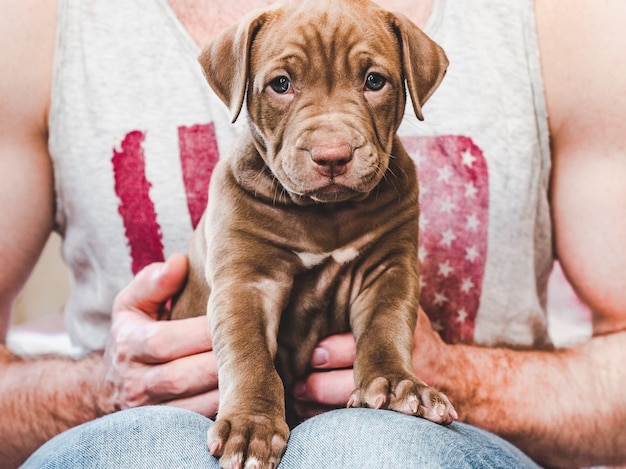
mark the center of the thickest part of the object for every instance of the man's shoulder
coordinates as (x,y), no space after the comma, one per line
(585,83)
(28,30)
(583,62)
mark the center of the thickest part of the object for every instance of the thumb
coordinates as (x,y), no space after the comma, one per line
(153,286)
(335,351)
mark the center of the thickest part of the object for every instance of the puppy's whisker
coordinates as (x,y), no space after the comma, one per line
(394,179)
(259,177)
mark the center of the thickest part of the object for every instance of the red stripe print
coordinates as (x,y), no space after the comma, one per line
(198,156)
(136,208)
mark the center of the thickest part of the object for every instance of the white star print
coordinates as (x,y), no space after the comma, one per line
(467,285)
(444,174)
(445,269)
(471,253)
(472,222)
(470,190)
(468,158)
(461,315)
(440,299)
(447,237)
(447,205)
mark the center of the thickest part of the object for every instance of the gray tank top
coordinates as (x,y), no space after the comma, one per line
(135,132)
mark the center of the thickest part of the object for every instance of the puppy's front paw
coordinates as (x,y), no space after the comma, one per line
(248,441)
(409,396)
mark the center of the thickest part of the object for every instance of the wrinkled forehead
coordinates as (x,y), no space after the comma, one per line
(336,35)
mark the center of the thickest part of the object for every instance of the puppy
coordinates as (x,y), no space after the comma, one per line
(312,223)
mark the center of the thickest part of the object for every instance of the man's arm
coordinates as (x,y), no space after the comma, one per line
(43,397)
(146,362)
(563,408)
(31,412)
(27,187)
(585,80)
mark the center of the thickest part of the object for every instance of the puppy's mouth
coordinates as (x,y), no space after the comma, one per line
(334,192)
(334,171)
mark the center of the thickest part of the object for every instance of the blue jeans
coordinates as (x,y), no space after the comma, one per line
(166,437)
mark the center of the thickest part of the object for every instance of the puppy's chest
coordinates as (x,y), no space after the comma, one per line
(335,264)
(319,306)
(323,290)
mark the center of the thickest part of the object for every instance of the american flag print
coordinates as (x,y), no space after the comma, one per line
(454,202)
(198,155)
(136,207)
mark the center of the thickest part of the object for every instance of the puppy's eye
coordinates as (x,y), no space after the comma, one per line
(280,85)
(375,81)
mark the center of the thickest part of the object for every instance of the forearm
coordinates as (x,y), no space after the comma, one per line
(41,398)
(564,408)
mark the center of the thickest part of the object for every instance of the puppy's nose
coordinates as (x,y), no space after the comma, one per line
(332,159)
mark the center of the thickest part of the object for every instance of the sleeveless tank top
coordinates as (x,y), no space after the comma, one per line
(135,132)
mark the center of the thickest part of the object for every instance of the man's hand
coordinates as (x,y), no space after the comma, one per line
(330,384)
(159,362)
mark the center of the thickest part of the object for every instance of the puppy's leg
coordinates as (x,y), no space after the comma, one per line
(250,430)
(383,321)
(192,301)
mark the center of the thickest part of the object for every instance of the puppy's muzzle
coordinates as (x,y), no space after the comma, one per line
(332,159)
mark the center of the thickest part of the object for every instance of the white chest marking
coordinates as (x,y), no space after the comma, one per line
(345,255)
(310,259)
(341,256)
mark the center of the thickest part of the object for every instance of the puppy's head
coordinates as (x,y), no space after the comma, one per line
(324,84)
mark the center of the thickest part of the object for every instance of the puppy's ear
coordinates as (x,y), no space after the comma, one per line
(423,61)
(225,61)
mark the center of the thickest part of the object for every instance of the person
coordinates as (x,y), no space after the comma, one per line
(108,134)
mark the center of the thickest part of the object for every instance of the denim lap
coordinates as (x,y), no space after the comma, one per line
(167,437)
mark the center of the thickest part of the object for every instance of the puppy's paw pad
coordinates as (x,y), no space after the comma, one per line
(248,442)
(355,399)
(417,398)
(375,395)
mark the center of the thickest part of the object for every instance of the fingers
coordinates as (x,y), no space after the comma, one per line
(168,340)
(195,374)
(150,361)
(336,351)
(137,337)
(133,383)
(329,388)
(134,330)
(322,392)
(153,286)
(306,410)
(206,404)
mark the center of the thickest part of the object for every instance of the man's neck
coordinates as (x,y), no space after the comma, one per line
(418,11)
(204,19)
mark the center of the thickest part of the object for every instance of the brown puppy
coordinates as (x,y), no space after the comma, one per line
(312,223)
